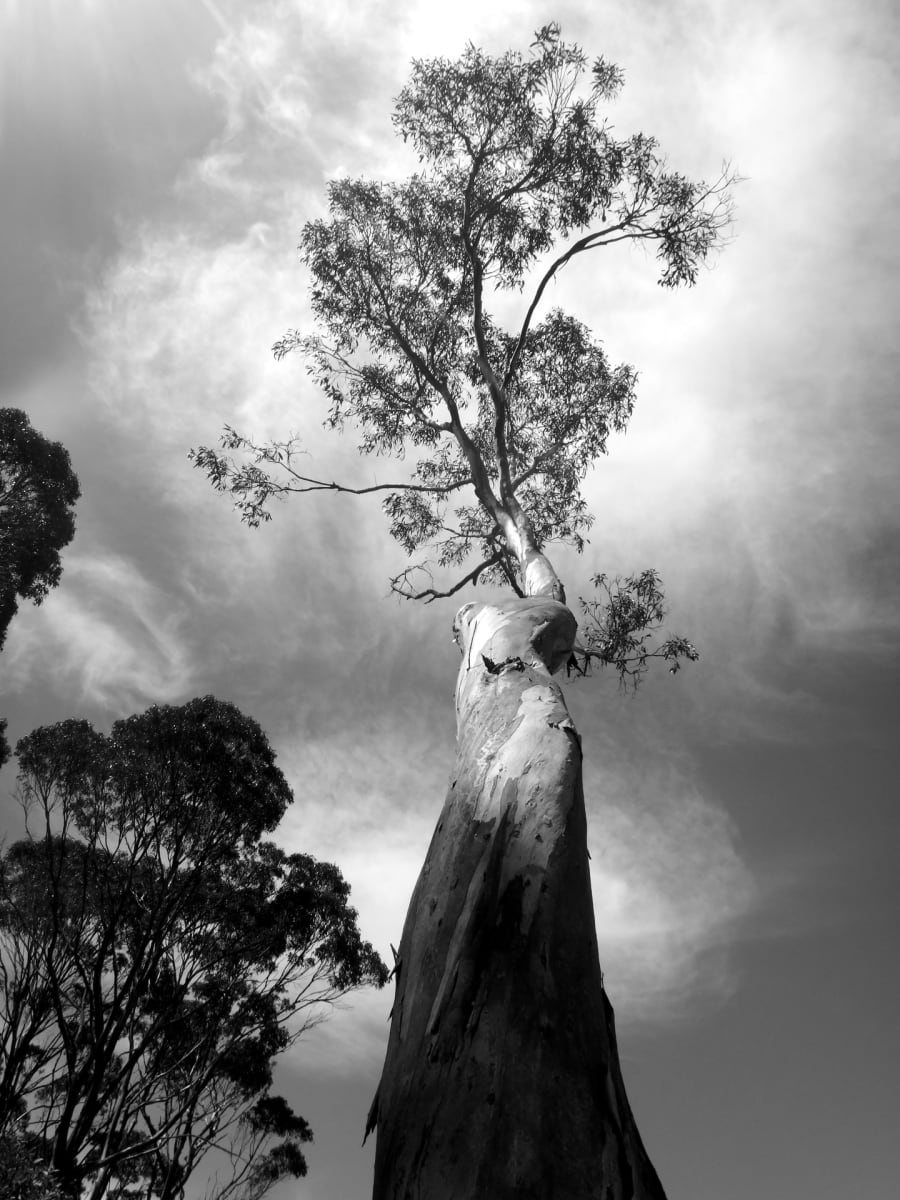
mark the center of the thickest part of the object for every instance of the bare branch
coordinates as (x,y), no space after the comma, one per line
(400,583)
(254,486)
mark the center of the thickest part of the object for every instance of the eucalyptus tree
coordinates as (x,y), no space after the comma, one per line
(502,1075)
(157,955)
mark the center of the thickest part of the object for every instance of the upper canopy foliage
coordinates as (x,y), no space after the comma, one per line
(519,173)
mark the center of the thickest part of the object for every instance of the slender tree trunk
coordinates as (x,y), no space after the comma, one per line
(502,1077)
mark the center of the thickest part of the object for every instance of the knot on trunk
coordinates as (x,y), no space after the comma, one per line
(536,629)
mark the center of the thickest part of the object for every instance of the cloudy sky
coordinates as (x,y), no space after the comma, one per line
(158,160)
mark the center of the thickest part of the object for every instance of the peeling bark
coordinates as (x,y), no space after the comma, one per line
(502,1077)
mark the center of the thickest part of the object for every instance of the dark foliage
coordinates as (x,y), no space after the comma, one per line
(157,954)
(38,491)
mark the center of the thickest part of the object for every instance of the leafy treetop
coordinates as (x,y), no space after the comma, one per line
(519,174)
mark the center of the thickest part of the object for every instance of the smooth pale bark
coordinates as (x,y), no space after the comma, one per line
(502,1077)
(538,575)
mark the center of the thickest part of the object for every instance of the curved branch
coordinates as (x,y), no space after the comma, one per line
(588,242)
(634,230)
(226,475)
(430,594)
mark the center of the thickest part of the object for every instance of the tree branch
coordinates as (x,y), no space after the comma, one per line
(498,395)
(430,594)
(357,373)
(586,243)
(480,479)
(318,485)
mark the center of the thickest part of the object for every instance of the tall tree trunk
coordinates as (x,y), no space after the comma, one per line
(502,1077)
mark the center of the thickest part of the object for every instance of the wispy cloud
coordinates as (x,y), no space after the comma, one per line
(760,470)
(110,639)
(166,157)
(747,477)
(177,335)
(670,890)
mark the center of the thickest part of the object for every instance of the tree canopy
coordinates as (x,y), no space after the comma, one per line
(519,174)
(38,491)
(157,954)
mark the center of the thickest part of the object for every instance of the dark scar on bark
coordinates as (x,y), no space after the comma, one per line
(493,668)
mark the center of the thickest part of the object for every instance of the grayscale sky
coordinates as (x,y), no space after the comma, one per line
(158,160)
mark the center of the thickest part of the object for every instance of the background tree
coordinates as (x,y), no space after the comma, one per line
(38,491)
(502,1074)
(157,954)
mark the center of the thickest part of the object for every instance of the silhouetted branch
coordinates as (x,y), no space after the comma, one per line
(400,583)
(631,228)
(252,486)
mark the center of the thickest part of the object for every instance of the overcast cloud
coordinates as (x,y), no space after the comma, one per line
(163,159)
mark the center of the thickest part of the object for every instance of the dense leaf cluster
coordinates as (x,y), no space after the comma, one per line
(157,953)
(38,491)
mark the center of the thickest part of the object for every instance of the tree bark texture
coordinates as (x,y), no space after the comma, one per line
(502,1079)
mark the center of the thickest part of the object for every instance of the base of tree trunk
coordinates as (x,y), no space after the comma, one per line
(502,1076)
